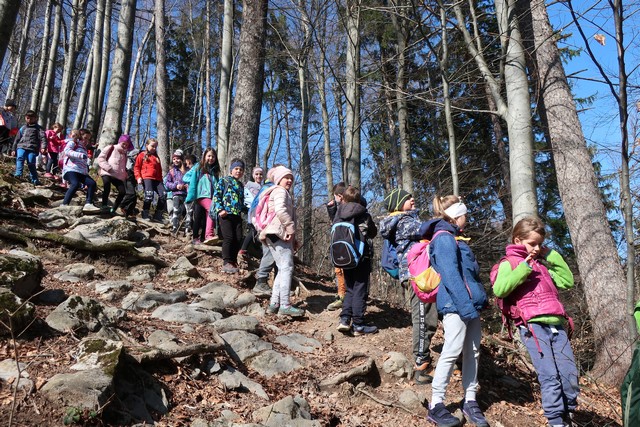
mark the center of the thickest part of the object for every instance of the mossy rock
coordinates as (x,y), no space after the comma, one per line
(21,273)
(14,312)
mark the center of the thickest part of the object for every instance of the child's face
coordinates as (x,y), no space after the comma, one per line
(532,242)
(409,204)
(257,176)
(210,158)
(177,161)
(286,182)
(57,129)
(339,198)
(152,146)
(126,144)
(237,172)
(86,138)
(188,164)
(461,221)
(30,119)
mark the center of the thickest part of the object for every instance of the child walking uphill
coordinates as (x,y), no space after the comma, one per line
(148,172)
(460,298)
(112,163)
(356,279)
(175,184)
(279,234)
(228,206)
(404,228)
(251,190)
(75,170)
(29,141)
(203,183)
(55,144)
(529,289)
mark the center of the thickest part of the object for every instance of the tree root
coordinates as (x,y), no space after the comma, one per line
(360,388)
(122,246)
(359,371)
(149,354)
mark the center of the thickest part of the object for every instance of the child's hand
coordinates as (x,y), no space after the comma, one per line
(331,203)
(222,213)
(140,181)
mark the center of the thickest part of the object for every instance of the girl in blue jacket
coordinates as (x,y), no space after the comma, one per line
(461,296)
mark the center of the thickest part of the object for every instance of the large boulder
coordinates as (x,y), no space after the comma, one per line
(103,231)
(21,273)
(182,271)
(78,314)
(290,411)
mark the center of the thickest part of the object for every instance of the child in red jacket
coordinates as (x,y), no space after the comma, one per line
(148,172)
(55,145)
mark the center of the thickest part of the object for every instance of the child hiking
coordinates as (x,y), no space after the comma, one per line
(29,141)
(148,172)
(356,279)
(527,279)
(460,298)
(175,183)
(404,228)
(55,145)
(75,170)
(251,190)
(228,206)
(112,165)
(203,183)
(332,208)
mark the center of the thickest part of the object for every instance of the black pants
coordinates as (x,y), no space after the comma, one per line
(152,187)
(231,230)
(107,181)
(199,221)
(130,198)
(355,301)
(52,163)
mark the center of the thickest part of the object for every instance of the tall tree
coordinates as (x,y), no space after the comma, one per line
(16,71)
(586,217)
(47,91)
(93,117)
(119,74)
(226,65)
(162,120)
(247,106)
(42,63)
(8,16)
(136,66)
(352,146)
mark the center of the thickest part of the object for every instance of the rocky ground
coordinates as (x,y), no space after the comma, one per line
(124,324)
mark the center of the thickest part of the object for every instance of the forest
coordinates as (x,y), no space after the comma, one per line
(467,98)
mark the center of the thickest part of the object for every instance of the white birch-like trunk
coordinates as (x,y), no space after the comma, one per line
(81,108)
(352,156)
(106,56)
(16,71)
(94,87)
(47,91)
(207,76)
(69,64)
(162,120)
(134,75)
(8,16)
(226,64)
(119,74)
(42,64)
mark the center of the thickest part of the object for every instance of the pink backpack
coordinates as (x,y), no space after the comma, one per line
(424,279)
(262,216)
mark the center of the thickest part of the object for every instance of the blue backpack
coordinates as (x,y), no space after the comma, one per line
(389,259)
(347,245)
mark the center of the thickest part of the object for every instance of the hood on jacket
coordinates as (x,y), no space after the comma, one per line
(349,211)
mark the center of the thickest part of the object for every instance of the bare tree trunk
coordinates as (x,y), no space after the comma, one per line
(400,21)
(226,65)
(8,15)
(106,54)
(352,131)
(119,74)
(337,96)
(595,249)
(326,130)
(16,72)
(37,89)
(45,100)
(207,75)
(81,109)
(94,89)
(136,66)
(504,191)
(70,63)
(245,120)
(161,87)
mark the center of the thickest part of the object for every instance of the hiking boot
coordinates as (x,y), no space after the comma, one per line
(345,325)
(229,268)
(441,416)
(421,373)
(261,289)
(273,308)
(336,305)
(89,208)
(474,415)
(363,330)
(290,311)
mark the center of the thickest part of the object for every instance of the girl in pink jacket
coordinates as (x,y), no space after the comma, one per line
(112,164)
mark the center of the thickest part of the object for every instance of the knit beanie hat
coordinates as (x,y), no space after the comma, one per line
(236,164)
(178,153)
(126,138)
(395,200)
(278,173)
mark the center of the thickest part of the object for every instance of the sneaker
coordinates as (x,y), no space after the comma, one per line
(441,416)
(48,175)
(273,308)
(196,241)
(474,415)
(421,373)
(89,208)
(336,305)
(211,240)
(363,330)
(290,311)
(344,326)
(261,289)
(228,267)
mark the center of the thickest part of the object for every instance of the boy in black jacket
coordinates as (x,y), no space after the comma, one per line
(356,279)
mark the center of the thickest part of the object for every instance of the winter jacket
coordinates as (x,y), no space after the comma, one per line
(31,138)
(201,185)
(357,214)
(460,289)
(284,222)
(532,287)
(173,178)
(75,158)
(9,121)
(55,144)
(229,196)
(251,190)
(149,168)
(112,161)
(403,229)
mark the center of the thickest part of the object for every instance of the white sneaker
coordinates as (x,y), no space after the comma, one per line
(90,209)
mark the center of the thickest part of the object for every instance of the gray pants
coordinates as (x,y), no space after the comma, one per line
(282,253)
(459,336)
(424,320)
(266,263)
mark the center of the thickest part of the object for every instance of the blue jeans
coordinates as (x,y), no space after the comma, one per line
(30,156)
(556,367)
(75,180)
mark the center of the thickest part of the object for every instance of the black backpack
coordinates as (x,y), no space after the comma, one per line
(347,245)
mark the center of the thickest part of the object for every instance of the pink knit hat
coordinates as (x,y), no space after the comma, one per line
(278,173)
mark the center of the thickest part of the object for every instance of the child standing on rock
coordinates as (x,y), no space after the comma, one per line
(175,184)
(29,141)
(112,164)
(75,170)
(55,144)
(148,172)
